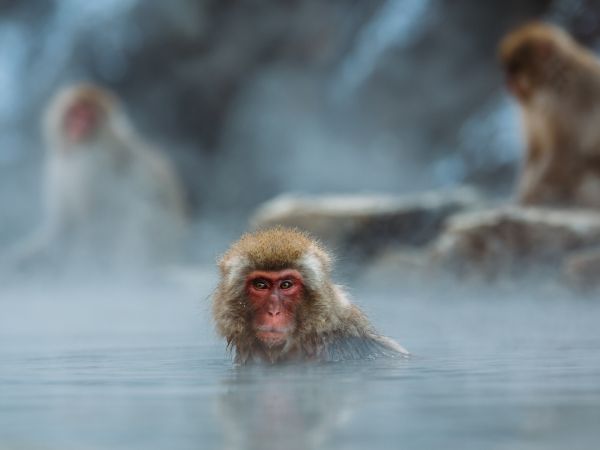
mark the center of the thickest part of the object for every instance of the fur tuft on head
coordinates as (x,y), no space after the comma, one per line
(540,59)
(277,248)
(533,35)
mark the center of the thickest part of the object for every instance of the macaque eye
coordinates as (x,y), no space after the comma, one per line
(260,284)
(286,284)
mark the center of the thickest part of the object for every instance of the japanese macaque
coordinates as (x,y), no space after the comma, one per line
(557,85)
(108,197)
(276,303)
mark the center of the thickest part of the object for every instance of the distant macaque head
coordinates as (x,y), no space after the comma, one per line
(81,120)
(535,57)
(78,114)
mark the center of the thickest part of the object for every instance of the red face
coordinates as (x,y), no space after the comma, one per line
(81,121)
(274,297)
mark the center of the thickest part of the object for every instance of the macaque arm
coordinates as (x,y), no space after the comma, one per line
(536,171)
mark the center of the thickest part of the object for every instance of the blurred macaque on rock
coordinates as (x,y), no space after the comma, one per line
(557,84)
(109,199)
(363,225)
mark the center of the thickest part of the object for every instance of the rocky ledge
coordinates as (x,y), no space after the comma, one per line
(455,232)
(515,241)
(364,225)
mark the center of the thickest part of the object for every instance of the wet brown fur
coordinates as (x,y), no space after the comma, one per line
(324,318)
(559,96)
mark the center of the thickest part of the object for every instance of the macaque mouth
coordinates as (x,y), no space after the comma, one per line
(275,330)
(272,335)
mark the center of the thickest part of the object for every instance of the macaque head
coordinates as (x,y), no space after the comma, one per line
(77,114)
(81,120)
(533,57)
(274,286)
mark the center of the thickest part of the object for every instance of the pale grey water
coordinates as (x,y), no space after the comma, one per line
(140,368)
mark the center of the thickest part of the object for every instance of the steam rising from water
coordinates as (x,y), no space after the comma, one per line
(96,362)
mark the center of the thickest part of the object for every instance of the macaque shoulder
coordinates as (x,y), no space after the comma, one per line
(356,339)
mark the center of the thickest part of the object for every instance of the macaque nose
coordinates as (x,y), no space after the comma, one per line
(274,308)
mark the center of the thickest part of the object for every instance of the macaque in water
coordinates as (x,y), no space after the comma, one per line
(108,197)
(557,84)
(276,303)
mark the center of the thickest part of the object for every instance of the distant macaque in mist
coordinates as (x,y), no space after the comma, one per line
(557,85)
(108,197)
(276,303)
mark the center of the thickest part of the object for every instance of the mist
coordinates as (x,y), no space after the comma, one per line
(306,99)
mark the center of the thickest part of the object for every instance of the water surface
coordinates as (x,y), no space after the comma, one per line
(140,368)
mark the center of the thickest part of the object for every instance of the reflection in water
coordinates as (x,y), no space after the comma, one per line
(298,407)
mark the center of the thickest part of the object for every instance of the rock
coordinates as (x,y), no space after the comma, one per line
(363,225)
(581,270)
(514,241)
(404,265)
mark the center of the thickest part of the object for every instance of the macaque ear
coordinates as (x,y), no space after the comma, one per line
(232,267)
(316,264)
